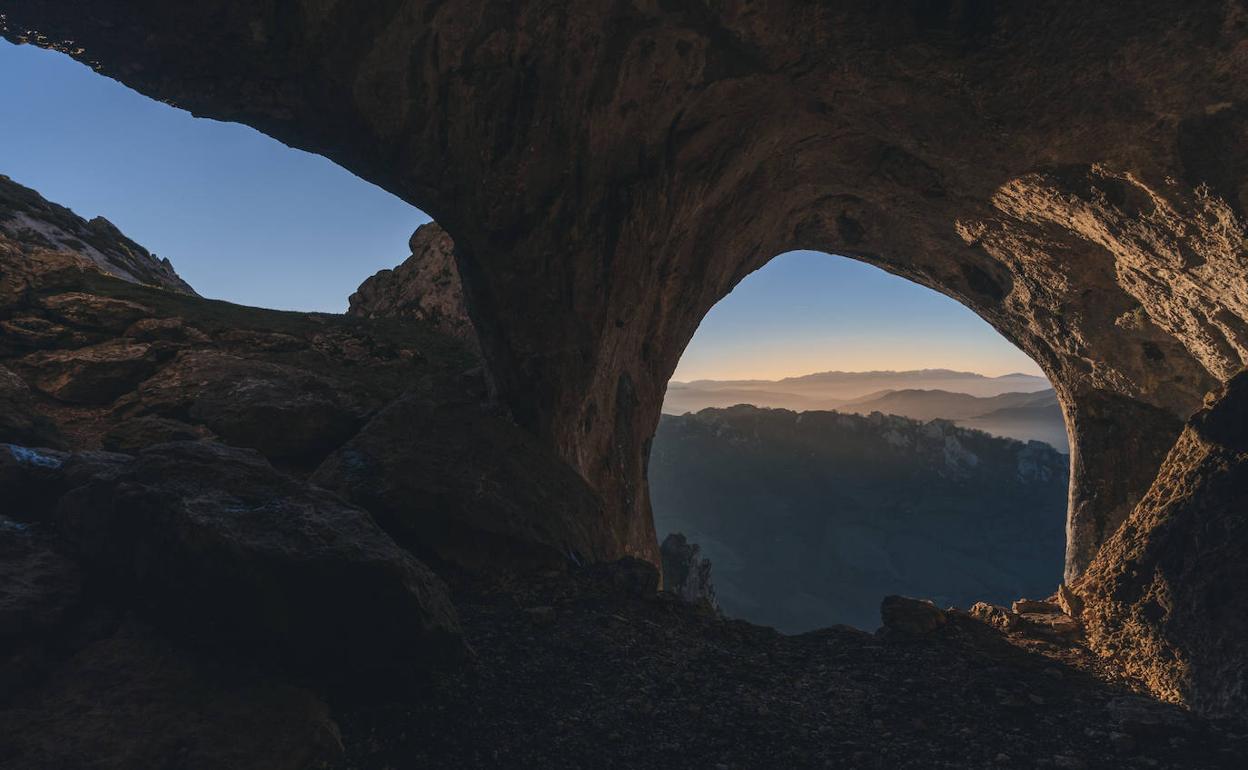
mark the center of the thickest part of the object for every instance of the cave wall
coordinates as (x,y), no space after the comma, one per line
(1073,172)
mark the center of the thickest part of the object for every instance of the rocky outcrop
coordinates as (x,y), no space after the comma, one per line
(19,422)
(463,485)
(231,549)
(286,412)
(426,287)
(34,223)
(1165,596)
(686,572)
(904,615)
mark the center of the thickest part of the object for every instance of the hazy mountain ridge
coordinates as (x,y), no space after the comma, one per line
(810,518)
(1019,406)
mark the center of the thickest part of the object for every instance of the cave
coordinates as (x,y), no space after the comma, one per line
(609,171)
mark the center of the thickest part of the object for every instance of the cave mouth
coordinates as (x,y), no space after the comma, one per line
(834,434)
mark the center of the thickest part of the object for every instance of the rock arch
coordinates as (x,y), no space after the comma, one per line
(1073,172)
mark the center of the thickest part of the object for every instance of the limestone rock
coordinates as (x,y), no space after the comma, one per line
(227,548)
(1164,596)
(1022,606)
(911,616)
(132,699)
(30,480)
(24,333)
(686,572)
(164,330)
(93,375)
(1069,601)
(997,617)
(19,422)
(285,412)
(425,287)
(38,586)
(93,311)
(139,433)
(34,223)
(463,485)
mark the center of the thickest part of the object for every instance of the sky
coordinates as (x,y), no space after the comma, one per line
(247,219)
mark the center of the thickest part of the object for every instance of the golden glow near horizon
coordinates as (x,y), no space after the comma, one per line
(807,312)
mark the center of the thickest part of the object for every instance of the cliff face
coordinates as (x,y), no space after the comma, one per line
(30,222)
(609,171)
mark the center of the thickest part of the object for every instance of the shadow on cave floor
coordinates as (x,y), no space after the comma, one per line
(582,672)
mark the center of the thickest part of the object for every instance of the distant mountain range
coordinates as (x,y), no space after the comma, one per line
(1020,406)
(810,518)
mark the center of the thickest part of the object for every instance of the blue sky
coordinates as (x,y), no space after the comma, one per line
(247,219)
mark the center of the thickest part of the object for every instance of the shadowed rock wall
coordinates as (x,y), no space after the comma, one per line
(1073,172)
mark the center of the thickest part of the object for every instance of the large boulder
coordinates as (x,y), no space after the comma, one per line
(223,546)
(94,375)
(286,412)
(1167,596)
(19,422)
(94,312)
(38,585)
(460,484)
(686,572)
(133,700)
(910,616)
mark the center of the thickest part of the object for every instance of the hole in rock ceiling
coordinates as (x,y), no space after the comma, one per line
(834,434)
(241,216)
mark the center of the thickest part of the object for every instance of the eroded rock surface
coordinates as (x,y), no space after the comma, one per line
(424,287)
(1165,596)
(686,572)
(467,486)
(234,549)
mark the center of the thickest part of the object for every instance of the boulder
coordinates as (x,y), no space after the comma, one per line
(225,547)
(1069,601)
(1022,606)
(686,572)
(285,412)
(38,585)
(164,330)
(93,375)
(22,334)
(998,617)
(1165,596)
(93,311)
(19,422)
(32,479)
(462,485)
(911,616)
(139,433)
(133,700)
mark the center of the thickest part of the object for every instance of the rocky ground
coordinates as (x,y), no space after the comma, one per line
(593,670)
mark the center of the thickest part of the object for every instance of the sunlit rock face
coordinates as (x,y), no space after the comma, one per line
(1073,172)
(1165,593)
